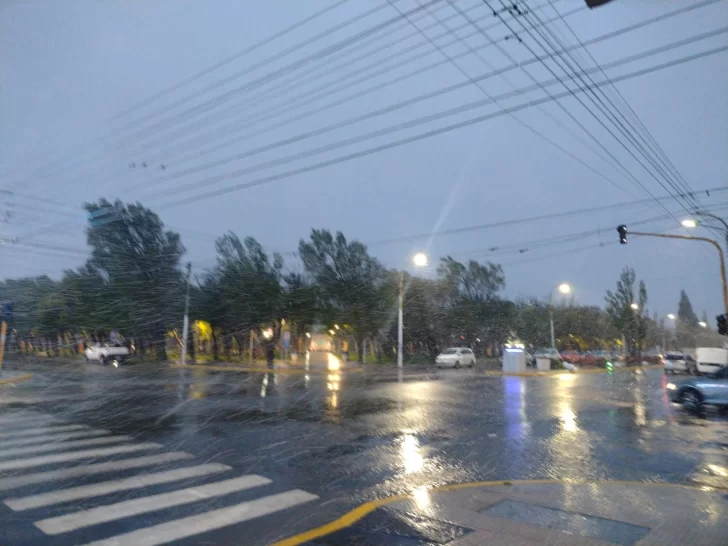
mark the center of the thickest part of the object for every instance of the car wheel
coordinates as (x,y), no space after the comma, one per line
(691,400)
(457,364)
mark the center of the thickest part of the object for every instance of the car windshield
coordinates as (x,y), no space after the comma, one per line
(675,357)
(450,351)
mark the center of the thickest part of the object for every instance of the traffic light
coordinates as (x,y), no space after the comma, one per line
(622,230)
(722,324)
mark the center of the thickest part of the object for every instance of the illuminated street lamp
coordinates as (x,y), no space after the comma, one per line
(634,306)
(563,288)
(689,223)
(703,324)
(420,260)
(671,316)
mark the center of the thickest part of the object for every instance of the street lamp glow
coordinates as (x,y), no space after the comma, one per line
(634,306)
(420,259)
(703,324)
(671,316)
(689,223)
(564,288)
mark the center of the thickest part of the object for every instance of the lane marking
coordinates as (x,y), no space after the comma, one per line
(104,488)
(579,372)
(350,518)
(16,379)
(13,482)
(208,521)
(41,430)
(262,369)
(58,446)
(18,464)
(134,507)
(51,438)
(23,419)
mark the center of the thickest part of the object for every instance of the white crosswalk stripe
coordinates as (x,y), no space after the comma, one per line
(111,512)
(40,431)
(29,440)
(14,482)
(19,451)
(17,464)
(58,446)
(104,488)
(208,521)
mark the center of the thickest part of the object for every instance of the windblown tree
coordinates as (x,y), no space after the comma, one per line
(630,322)
(471,296)
(137,263)
(347,278)
(685,313)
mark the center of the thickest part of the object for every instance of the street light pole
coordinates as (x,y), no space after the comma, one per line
(400,325)
(420,260)
(704,240)
(564,289)
(186,322)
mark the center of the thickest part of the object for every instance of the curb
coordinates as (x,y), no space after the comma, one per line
(365,509)
(564,372)
(250,369)
(17,379)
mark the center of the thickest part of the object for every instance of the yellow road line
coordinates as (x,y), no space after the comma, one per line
(18,379)
(252,369)
(565,372)
(363,510)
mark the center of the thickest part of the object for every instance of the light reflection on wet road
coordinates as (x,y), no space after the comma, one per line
(351,437)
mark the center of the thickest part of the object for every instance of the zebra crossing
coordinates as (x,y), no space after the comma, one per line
(30,442)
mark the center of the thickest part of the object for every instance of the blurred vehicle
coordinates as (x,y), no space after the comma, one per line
(113,354)
(601,356)
(572,357)
(548,352)
(679,363)
(694,393)
(455,357)
(710,360)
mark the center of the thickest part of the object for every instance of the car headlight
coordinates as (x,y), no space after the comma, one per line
(670,386)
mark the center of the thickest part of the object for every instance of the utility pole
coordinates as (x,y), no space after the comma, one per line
(400,325)
(622,229)
(186,323)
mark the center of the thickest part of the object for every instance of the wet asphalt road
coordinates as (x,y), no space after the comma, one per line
(336,439)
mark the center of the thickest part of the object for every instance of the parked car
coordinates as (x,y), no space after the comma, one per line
(695,392)
(573,357)
(106,354)
(551,353)
(455,357)
(679,363)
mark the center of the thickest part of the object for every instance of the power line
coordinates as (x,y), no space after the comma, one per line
(421,70)
(596,92)
(408,140)
(578,98)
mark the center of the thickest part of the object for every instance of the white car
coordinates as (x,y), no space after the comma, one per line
(106,354)
(679,363)
(455,357)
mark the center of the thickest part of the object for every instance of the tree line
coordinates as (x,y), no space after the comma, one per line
(134,281)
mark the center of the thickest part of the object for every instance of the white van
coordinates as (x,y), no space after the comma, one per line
(710,359)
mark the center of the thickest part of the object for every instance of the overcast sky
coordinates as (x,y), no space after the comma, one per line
(73,130)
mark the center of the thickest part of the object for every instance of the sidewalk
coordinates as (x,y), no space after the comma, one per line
(535,512)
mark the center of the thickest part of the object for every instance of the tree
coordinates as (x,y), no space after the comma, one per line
(137,264)
(347,278)
(685,313)
(630,322)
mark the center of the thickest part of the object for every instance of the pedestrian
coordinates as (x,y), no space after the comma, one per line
(270,352)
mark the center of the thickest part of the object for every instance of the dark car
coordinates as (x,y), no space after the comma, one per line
(693,393)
